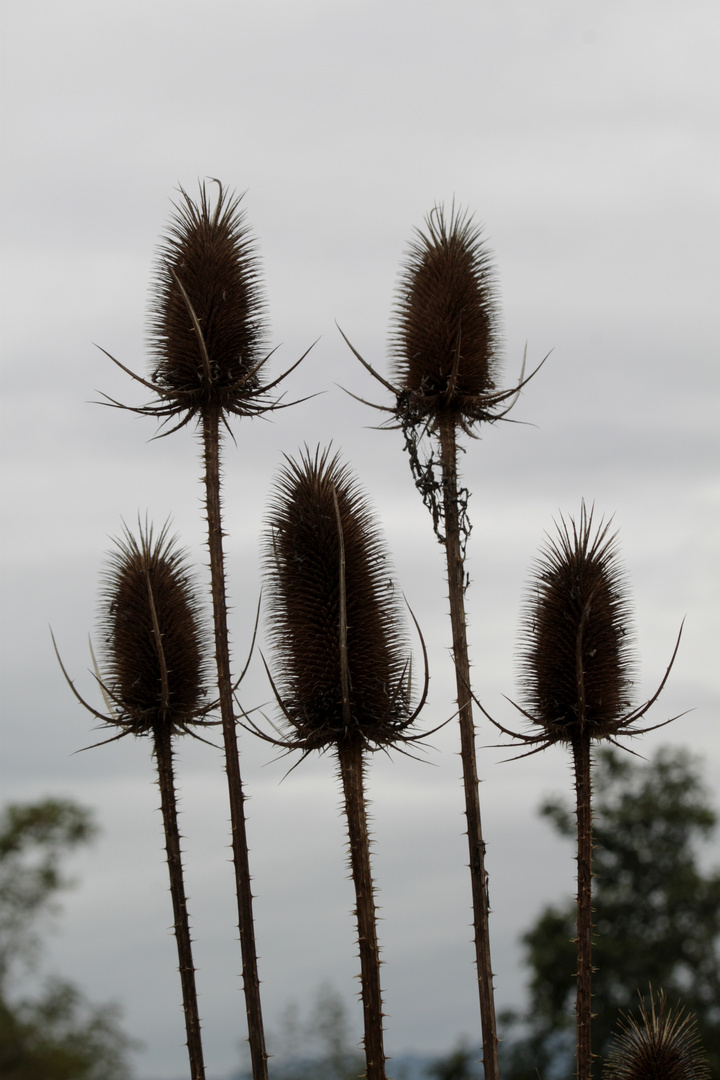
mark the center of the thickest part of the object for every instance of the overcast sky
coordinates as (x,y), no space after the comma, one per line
(583,135)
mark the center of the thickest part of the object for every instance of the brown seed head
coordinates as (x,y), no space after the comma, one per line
(303,551)
(576,658)
(445,340)
(154,646)
(207,328)
(659,1044)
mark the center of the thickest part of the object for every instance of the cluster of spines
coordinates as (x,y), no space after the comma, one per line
(660,1043)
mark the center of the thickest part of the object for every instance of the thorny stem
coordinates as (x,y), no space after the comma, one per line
(351,772)
(583,1008)
(251,981)
(476,844)
(166,783)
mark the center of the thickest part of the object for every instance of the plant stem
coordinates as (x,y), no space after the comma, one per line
(251,981)
(583,1008)
(351,771)
(476,844)
(166,783)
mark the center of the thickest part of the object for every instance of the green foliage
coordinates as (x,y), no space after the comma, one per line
(657,913)
(60,1037)
(33,840)
(57,1035)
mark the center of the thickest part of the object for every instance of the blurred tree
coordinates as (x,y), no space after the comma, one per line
(57,1035)
(657,915)
(460,1064)
(33,840)
(318,1047)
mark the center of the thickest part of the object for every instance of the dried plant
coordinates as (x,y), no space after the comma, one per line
(342,669)
(208,344)
(154,679)
(207,321)
(661,1043)
(445,341)
(445,352)
(576,669)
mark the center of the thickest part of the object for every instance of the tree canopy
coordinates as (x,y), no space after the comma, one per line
(55,1035)
(657,914)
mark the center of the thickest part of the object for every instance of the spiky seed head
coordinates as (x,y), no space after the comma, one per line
(207,314)
(154,649)
(445,340)
(576,658)
(302,554)
(660,1043)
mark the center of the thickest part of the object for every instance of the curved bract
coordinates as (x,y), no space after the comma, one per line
(445,339)
(342,667)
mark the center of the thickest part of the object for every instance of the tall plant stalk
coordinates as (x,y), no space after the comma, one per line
(154,682)
(445,346)
(476,843)
(583,810)
(576,670)
(352,768)
(241,861)
(208,333)
(343,674)
(168,802)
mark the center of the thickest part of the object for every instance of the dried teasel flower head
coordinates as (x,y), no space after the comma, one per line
(154,649)
(576,656)
(661,1043)
(576,660)
(445,341)
(342,662)
(207,317)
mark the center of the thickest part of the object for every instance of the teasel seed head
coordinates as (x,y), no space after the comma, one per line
(154,647)
(659,1044)
(445,341)
(207,317)
(341,656)
(576,660)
